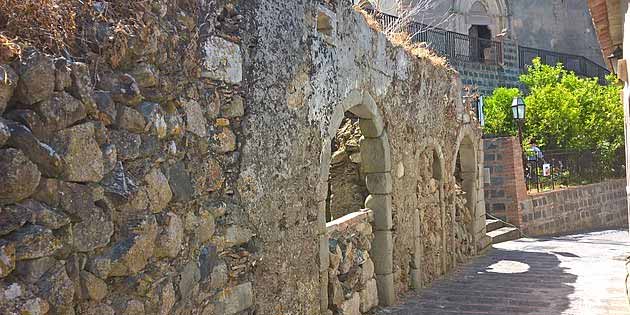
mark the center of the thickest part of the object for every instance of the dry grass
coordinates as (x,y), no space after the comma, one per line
(403,39)
(57,26)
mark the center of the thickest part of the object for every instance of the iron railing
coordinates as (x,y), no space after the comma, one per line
(462,47)
(558,169)
(452,45)
(582,66)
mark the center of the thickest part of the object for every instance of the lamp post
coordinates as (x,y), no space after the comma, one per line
(518,113)
(614,58)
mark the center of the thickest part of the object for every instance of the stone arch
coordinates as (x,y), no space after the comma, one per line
(492,13)
(376,164)
(466,155)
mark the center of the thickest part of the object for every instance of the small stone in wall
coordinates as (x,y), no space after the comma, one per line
(235,299)
(60,111)
(127,91)
(188,279)
(63,79)
(127,144)
(44,215)
(33,241)
(369,296)
(19,177)
(107,112)
(145,75)
(351,306)
(195,122)
(37,77)
(179,180)
(45,157)
(82,156)
(12,217)
(95,309)
(57,288)
(131,255)
(81,86)
(222,61)
(154,118)
(92,286)
(100,266)
(235,108)
(94,231)
(158,190)
(170,239)
(236,235)
(7,258)
(7,85)
(225,141)
(5,133)
(161,298)
(30,271)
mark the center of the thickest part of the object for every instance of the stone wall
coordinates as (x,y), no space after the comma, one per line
(333,62)
(505,188)
(117,175)
(590,207)
(352,282)
(184,169)
(564,26)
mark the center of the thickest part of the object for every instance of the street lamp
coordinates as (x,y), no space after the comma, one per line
(518,113)
(614,58)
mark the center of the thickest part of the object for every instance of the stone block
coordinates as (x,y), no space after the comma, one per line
(350,306)
(385,286)
(19,177)
(235,299)
(222,61)
(382,251)
(379,183)
(81,154)
(381,206)
(371,128)
(369,296)
(375,155)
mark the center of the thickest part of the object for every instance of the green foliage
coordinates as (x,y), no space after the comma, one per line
(563,111)
(497,111)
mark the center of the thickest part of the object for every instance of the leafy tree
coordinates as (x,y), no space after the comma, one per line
(497,110)
(563,111)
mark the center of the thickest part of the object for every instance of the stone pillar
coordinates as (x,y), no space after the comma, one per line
(505,189)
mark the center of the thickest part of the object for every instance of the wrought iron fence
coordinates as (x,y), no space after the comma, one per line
(582,66)
(462,47)
(557,169)
(452,45)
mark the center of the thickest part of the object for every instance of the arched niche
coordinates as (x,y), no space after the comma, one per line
(465,171)
(430,152)
(376,165)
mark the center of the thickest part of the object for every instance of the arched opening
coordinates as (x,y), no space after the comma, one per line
(355,175)
(465,176)
(430,258)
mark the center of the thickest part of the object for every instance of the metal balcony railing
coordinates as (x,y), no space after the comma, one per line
(461,47)
(452,45)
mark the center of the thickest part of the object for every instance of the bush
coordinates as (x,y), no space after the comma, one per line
(563,111)
(497,111)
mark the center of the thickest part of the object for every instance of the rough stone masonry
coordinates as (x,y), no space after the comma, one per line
(185,168)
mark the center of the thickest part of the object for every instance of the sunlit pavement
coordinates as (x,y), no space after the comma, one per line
(581,274)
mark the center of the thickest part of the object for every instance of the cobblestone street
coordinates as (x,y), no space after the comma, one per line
(580,274)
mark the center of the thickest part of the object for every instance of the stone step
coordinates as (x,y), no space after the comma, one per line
(504,234)
(493,225)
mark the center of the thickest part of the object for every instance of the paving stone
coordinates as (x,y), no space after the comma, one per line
(533,276)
